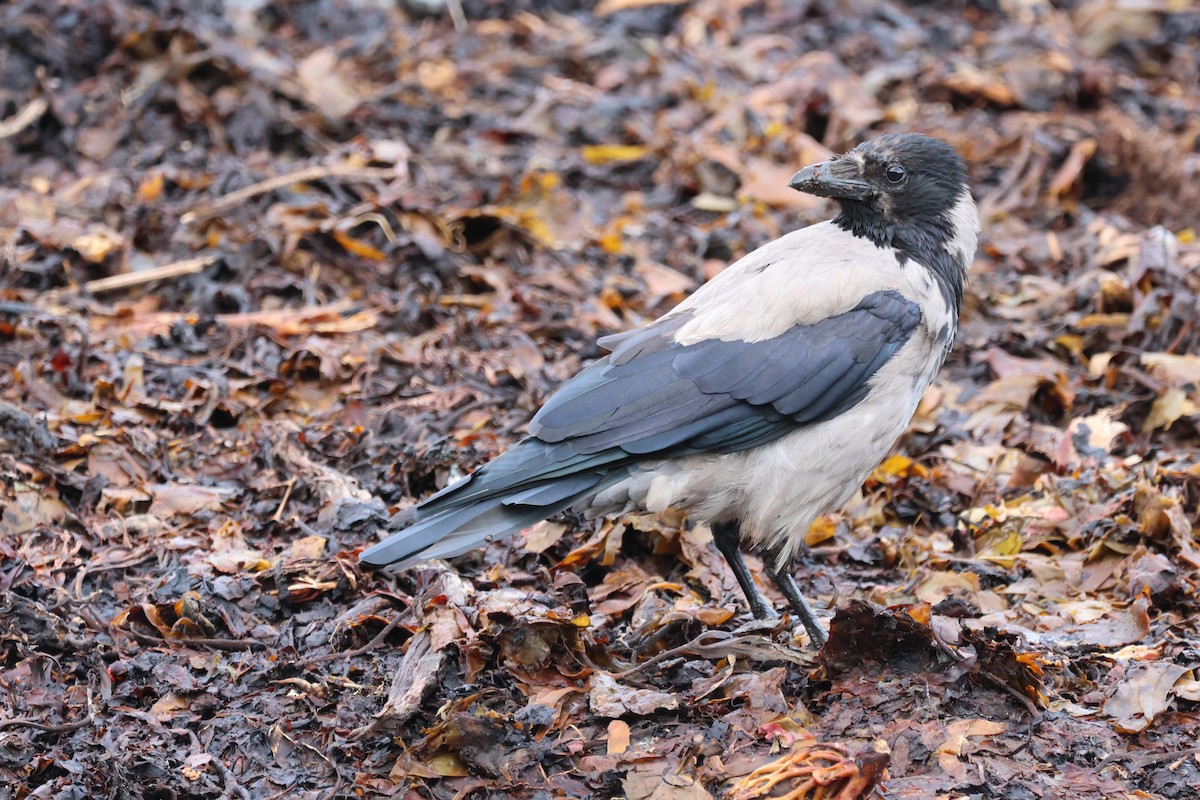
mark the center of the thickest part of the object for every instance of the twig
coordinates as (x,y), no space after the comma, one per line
(26,722)
(344,172)
(371,645)
(699,641)
(216,644)
(126,280)
(232,787)
(286,322)
(456,15)
(287,492)
(30,113)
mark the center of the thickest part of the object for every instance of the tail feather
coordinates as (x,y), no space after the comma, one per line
(531,463)
(449,526)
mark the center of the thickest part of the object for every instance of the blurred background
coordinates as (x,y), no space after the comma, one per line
(272,270)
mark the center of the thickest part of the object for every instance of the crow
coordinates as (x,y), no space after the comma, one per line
(765,398)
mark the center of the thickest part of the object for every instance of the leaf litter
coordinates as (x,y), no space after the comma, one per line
(273,272)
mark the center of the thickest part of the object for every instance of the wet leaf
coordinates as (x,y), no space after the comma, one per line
(1143,696)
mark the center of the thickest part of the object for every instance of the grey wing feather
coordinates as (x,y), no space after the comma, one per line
(654,398)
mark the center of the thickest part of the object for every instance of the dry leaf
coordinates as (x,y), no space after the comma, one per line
(618,737)
(1144,695)
(324,88)
(610,699)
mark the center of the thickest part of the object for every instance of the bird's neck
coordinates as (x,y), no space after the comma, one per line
(944,244)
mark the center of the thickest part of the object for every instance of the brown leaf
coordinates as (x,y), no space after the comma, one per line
(1144,694)
(894,636)
(610,699)
(828,769)
(168,705)
(542,536)
(606,7)
(186,498)
(416,676)
(767,182)
(1071,172)
(325,89)
(975,84)
(662,282)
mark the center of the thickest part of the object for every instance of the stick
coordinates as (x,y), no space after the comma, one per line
(344,172)
(125,280)
(26,116)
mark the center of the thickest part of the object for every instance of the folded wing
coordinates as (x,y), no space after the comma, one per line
(653,398)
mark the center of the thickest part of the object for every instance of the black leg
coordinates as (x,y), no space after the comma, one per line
(728,540)
(786,582)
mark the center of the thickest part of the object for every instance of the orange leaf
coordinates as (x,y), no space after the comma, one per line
(618,737)
(358,247)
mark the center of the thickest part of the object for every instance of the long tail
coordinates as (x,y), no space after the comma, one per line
(529,483)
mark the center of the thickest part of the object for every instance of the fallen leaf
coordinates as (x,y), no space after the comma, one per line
(324,88)
(543,535)
(618,737)
(610,699)
(608,153)
(186,498)
(1144,695)
(168,705)
(767,182)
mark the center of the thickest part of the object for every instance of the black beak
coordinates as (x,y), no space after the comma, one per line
(838,177)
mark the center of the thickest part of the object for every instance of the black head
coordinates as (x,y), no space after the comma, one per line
(905,191)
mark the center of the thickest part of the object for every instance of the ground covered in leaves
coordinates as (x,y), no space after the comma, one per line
(272,271)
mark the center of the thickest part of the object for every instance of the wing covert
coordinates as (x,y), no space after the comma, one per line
(653,394)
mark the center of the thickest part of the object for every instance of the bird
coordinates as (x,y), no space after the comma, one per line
(761,401)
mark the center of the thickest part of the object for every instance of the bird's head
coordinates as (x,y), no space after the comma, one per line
(905,191)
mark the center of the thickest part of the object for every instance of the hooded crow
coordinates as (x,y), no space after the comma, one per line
(764,399)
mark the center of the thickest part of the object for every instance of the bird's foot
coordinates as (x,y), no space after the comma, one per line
(816,634)
(764,612)
(789,622)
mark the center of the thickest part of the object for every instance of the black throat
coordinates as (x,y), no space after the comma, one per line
(924,242)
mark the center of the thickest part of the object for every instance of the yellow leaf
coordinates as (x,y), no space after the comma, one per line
(940,585)
(96,245)
(611,241)
(606,7)
(1072,344)
(1005,548)
(305,548)
(608,153)
(920,612)
(1170,406)
(898,466)
(895,465)
(1114,320)
(448,765)
(707,201)
(822,530)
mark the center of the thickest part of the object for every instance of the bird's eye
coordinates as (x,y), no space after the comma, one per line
(895,173)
